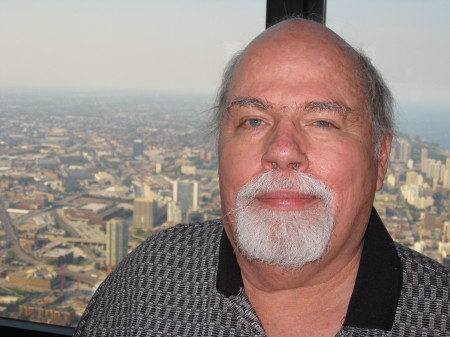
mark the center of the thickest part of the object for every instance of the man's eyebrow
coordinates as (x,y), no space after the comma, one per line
(327,105)
(310,106)
(250,101)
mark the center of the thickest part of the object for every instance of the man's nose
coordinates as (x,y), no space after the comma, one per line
(285,149)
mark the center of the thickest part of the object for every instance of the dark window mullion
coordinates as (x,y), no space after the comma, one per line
(311,9)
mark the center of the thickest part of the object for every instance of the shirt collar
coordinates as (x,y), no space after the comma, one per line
(229,279)
(378,282)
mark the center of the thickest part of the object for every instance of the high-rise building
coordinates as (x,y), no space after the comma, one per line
(423,158)
(405,150)
(446,177)
(391,180)
(174,212)
(410,164)
(393,155)
(412,178)
(434,169)
(144,213)
(186,194)
(446,231)
(138,148)
(116,242)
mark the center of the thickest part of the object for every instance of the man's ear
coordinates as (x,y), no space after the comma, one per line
(383,160)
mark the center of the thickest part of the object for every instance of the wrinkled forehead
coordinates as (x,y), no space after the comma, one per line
(303,48)
(288,77)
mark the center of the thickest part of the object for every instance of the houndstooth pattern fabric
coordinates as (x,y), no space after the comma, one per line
(424,305)
(167,287)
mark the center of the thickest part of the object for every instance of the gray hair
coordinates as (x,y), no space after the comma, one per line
(220,107)
(380,102)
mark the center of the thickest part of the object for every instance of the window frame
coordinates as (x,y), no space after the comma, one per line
(310,9)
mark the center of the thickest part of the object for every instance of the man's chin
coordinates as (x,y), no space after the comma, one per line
(282,264)
(288,239)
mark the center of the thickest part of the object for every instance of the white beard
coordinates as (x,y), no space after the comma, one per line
(289,239)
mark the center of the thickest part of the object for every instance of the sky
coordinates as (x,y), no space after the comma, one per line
(408,41)
(173,45)
(181,45)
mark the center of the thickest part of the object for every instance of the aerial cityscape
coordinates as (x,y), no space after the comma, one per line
(86,177)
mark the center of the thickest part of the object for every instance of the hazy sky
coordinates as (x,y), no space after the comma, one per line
(155,44)
(408,40)
(183,45)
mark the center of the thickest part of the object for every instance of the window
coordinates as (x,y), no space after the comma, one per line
(100,107)
(408,42)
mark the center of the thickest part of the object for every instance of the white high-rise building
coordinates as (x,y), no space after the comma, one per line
(405,150)
(436,170)
(174,212)
(446,177)
(433,168)
(414,195)
(391,180)
(423,158)
(413,178)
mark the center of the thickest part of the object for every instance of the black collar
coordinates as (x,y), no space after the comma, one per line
(377,287)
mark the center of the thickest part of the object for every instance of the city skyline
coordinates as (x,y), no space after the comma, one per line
(68,167)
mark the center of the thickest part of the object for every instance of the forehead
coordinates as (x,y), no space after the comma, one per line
(293,64)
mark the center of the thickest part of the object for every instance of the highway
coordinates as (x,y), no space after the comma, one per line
(8,226)
(90,277)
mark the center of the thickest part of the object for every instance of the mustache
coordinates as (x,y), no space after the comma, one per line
(297,181)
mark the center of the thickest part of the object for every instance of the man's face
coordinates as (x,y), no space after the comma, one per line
(296,104)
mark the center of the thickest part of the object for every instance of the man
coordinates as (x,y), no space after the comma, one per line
(305,131)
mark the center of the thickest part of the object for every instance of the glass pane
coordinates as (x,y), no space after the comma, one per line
(408,41)
(103,106)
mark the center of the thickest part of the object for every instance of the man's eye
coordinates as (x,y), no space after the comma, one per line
(323,124)
(253,122)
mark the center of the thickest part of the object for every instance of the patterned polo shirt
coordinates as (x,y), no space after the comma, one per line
(185,281)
